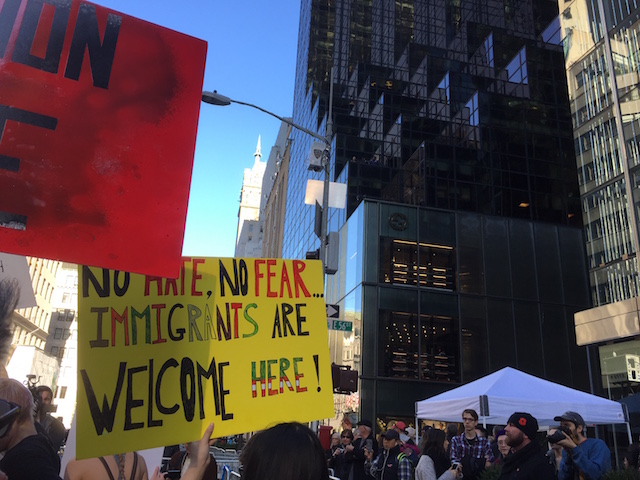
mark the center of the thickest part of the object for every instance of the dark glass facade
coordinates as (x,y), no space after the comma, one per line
(462,226)
(509,300)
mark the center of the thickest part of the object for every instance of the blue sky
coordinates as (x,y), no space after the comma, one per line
(251,57)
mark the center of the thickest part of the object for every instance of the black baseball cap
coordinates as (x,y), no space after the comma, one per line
(391,435)
(366,423)
(572,417)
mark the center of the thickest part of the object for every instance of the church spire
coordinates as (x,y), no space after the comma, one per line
(258,154)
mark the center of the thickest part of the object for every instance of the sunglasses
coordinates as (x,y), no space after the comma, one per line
(8,413)
(346,436)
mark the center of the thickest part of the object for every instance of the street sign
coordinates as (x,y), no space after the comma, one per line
(340,325)
(333,311)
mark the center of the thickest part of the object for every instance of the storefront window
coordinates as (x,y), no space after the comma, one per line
(405,262)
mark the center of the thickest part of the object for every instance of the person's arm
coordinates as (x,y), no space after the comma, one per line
(565,470)
(594,461)
(455,449)
(199,458)
(371,466)
(425,469)
(488,454)
(69,473)
(141,472)
(450,474)
(405,470)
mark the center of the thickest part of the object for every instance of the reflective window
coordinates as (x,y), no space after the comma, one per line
(418,345)
(438,348)
(488,50)
(517,68)
(405,262)
(399,338)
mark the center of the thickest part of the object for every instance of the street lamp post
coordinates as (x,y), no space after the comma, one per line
(214,98)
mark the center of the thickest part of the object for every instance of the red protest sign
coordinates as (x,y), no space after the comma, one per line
(98,119)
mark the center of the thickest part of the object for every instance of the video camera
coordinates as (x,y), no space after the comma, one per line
(557,435)
(38,407)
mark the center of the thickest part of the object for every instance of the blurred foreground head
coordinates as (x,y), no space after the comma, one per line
(288,451)
(9,295)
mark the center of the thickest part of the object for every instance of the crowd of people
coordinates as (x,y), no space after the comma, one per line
(292,451)
(514,451)
(30,438)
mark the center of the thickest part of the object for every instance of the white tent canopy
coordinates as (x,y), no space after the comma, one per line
(509,390)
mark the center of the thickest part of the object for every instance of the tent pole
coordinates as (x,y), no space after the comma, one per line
(615,444)
(629,432)
(418,431)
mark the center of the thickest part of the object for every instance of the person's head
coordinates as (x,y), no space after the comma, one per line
(469,420)
(434,443)
(452,430)
(390,439)
(45,394)
(501,440)
(335,439)
(13,391)
(520,430)
(346,437)
(481,432)
(364,428)
(495,430)
(400,427)
(631,456)
(574,422)
(288,451)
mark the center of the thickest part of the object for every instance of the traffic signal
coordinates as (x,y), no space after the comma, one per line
(345,380)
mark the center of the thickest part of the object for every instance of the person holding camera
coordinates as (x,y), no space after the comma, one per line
(365,441)
(582,457)
(335,445)
(527,460)
(45,423)
(340,461)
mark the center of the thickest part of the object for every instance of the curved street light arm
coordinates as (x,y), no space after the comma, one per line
(289,122)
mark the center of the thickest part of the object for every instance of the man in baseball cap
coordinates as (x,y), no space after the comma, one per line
(587,458)
(527,460)
(392,464)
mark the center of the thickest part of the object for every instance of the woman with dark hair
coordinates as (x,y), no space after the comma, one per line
(341,461)
(434,462)
(288,451)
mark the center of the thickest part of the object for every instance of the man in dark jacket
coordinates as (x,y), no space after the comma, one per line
(392,464)
(527,462)
(356,452)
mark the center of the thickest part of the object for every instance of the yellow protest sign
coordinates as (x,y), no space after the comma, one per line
(240,342)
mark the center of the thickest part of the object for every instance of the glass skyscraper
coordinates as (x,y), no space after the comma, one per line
(461,245)
(601,46)
(602,54)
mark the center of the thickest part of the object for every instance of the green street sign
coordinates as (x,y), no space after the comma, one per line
(340,325)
